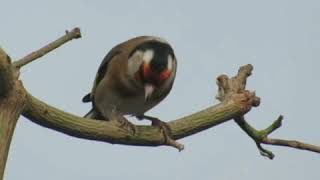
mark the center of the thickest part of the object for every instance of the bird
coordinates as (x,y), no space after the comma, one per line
(134,76)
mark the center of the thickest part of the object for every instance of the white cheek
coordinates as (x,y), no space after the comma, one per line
(170,62)
(134,63)
(147,56)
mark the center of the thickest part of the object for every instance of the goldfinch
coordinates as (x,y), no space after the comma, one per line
(134,76)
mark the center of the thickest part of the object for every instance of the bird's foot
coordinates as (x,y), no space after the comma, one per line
(124,123)
(165,128)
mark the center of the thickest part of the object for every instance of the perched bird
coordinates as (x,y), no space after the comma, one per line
(134,76)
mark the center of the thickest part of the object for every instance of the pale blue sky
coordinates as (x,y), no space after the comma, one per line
(281,38)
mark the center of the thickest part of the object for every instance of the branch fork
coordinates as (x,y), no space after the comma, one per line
(235,86)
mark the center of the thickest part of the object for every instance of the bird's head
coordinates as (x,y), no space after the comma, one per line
(157,65)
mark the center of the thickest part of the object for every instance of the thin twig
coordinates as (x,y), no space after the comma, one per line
(228,87)
(261,137)
(292,144)
(74,34)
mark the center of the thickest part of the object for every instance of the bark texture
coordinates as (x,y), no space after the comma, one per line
(12,99)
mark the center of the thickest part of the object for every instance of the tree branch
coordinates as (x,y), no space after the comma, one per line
(292,144)
(73,34)
(13,95)
(258,136)
(237,84)
(109,131)
(261,137)
(12,100)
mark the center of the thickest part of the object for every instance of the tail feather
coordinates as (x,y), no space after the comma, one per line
(87,98)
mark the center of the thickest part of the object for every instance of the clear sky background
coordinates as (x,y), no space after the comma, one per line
(281,38)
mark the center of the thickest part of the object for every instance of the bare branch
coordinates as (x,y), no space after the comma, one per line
(228,87)
(256,135)
(261,137)
(292,144)
(12,99)
(13,95)
(236,101)
(109,131)
(74,34)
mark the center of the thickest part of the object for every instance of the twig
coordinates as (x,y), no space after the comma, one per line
(259,136)
(13,95)
(229,87)
(74,34)
(292,144)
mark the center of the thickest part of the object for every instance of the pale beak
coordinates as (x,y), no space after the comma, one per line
(148,90)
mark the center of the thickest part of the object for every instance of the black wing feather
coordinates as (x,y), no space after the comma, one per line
(101,71)
(104,64)
(87,98)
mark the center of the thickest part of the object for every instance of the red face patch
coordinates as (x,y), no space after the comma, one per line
(154,77)
(165,75)
(147,72)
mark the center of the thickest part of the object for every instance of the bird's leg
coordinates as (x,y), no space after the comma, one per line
(124,123)
(165,128)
